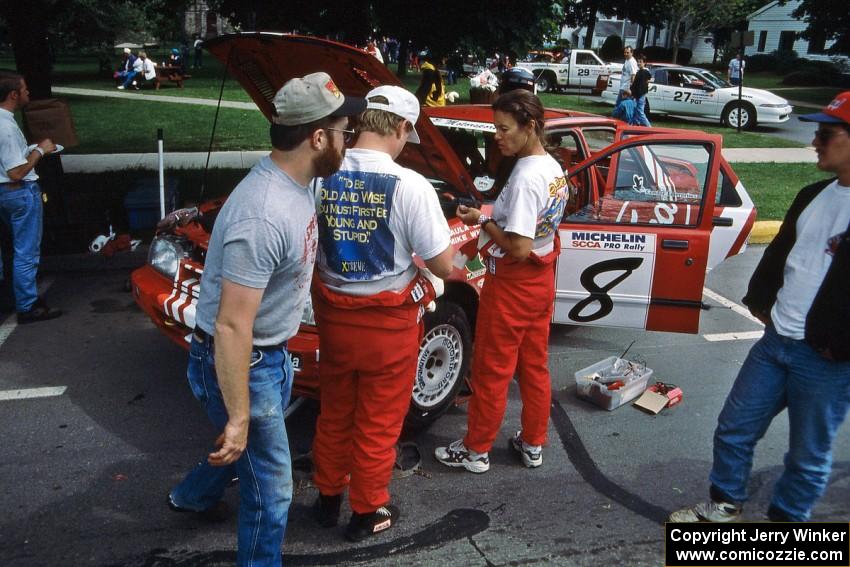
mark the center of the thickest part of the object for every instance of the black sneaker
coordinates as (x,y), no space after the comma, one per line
(362,526)
(327,510)
(39,312)
(218,512)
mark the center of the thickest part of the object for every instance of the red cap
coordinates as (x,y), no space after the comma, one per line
(836,112)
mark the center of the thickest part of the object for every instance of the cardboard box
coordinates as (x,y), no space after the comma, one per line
(50,118)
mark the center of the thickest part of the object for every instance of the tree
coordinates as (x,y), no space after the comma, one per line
(36,26)
(828,20)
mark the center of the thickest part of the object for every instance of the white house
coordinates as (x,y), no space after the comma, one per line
(699,44)
(776,29)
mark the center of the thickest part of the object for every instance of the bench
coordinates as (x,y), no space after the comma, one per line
(169,73)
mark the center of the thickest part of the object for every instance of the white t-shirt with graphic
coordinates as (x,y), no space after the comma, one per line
(532,202)
(630,69)
(819,228)
(373,215)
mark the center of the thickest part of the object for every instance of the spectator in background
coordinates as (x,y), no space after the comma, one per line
(430,91)
(372,49)
(176,60)
(126,65)
(736,69)
(630,68)
(20,200)
(199,52)
(640,86)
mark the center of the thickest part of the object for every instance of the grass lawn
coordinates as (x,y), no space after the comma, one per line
(109,125)
(772,186)
(103,125)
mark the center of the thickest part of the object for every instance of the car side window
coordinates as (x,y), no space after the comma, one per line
(564,146)
(726,194)
(650,183)
(598,138)
(585,59)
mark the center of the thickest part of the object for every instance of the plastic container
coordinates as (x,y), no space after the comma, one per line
(592,382)
(142,203)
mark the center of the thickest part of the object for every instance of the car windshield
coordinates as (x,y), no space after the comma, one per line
(714,80)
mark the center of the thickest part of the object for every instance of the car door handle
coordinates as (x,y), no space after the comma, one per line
(674,244)
(721,221)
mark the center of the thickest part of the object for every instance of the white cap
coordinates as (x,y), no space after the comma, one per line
(401,102)
(127,50)
(306,99)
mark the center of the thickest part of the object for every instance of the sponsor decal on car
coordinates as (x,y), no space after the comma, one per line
(465,124)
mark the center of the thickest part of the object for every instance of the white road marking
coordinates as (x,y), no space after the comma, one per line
(740,310)
(740,336)
(32,393)
(11,321)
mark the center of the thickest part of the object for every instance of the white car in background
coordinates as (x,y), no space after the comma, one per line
(690,91)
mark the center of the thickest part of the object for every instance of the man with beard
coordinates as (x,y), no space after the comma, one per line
(256,280)
(369,297)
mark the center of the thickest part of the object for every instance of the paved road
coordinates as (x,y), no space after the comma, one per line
(85,472)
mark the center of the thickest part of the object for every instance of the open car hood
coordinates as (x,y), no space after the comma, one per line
(263,61)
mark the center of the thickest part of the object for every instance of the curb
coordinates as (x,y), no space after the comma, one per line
(764,231)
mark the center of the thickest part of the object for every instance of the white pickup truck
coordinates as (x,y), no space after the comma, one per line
(583,69)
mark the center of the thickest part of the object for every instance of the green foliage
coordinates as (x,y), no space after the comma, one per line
(813,74)
(827,19)
(612,48)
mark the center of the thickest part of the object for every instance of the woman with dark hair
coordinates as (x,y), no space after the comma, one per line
(430,91)
(512,331)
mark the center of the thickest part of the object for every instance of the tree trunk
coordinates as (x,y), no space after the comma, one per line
(28,34)
(675,38)
(403,55)
(592,9)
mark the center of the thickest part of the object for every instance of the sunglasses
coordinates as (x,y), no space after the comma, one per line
(347,135)
(824,136)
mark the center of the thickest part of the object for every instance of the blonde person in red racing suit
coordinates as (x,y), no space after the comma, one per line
(369,298)
(512,331)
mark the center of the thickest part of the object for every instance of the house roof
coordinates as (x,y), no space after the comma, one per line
(764,9)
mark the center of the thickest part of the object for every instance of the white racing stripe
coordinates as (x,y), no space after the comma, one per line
(740,336)
(743,311)
(29,393)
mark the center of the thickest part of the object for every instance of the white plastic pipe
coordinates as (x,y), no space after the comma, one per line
(161,174)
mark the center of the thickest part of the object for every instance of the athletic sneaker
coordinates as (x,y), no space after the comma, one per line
(710,511)
(457,455)
(362,526)
(532,455)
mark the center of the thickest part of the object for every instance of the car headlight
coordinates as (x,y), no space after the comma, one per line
(777,105)
(308,317)
(165,254)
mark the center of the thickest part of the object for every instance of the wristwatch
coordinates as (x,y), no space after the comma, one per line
(484,219)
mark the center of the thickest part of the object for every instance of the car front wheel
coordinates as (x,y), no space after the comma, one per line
(743,112)
(444,358)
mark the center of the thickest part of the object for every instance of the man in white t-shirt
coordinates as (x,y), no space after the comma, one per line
(630,68)
(369,298)
(801,291)
(736,69)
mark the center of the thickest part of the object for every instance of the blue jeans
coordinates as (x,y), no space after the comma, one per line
(782,373)
(640,118)
(20,209)
(264,469)
(129,80)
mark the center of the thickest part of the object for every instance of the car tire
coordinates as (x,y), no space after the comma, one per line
(747,115)
(444,358)
(545,82)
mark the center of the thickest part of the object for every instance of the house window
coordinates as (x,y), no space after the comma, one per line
(762,40)
(817,43)
(786,40)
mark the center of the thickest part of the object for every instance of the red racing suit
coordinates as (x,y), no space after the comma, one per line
(369,352)
(512,336)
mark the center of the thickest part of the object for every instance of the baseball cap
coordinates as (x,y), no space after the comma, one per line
(315,96)
(400,102)
(836,112)
(127,50)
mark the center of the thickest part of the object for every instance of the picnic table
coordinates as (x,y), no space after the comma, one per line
(173,73)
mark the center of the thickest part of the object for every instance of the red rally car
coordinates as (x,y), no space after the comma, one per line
(650,212)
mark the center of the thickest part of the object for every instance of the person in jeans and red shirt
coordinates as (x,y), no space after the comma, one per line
(801,291)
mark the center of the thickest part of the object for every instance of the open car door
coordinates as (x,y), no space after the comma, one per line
(635,236)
